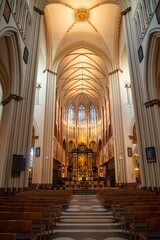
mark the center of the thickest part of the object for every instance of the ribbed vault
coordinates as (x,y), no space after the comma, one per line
(82,78)
(82,72)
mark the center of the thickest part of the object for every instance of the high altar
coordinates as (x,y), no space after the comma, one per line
(82,163)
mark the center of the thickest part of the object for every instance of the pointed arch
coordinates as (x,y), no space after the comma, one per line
(152,83)
(13,76)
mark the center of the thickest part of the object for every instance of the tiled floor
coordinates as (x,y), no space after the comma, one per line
(87,219)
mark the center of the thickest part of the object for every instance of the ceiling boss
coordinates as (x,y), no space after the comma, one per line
(81,15)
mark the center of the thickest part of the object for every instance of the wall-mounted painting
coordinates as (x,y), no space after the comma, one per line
(37,153)
(129,151)
(151,154)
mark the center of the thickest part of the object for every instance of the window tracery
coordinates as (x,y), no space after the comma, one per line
(92,114)
(71,114)
(81,115)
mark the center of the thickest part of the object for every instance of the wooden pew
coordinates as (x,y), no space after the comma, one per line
(7,236)
(22,229)
(55,205)
(47,218)
(119,209)
(108,195)
(152,230)
(35,217)
(53,209)
(127,217)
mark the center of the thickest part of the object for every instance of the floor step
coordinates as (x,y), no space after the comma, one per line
(87,219)
(84,192)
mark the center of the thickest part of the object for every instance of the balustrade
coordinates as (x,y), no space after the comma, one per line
(22,16)
(143,16)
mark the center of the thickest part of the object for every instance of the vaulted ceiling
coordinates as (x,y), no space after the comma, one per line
(82,38)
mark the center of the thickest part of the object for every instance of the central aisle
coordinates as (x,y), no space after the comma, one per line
(87,219)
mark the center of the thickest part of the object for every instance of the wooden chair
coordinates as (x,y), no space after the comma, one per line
(78,184)
(95,184)
(9,215)
(152,230)
(7,236)
(72,184)
(127,218)
(38,226)
(138,224)
(101,184)
(22,229)
(48,218)
(89,184)
(66,184)
(35,217)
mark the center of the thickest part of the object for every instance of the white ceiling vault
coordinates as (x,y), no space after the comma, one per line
(82,47)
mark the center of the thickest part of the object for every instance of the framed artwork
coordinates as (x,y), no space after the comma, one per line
(25,55)
(129,151)
(140,53)
(158,13)
(37,153)
(150,154)
(7,12)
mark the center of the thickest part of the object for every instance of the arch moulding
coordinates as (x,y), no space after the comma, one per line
(14,85)
(151,79)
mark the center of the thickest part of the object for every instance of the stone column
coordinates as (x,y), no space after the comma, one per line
(153,140)
(30,83)
(146,132)
(8,138)
(119,153)
(20,113)
(48,139)
(133,71)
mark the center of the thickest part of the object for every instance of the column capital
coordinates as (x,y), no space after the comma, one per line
(10,97)
(50,71)
(115,71)
(152,102)
(126,11)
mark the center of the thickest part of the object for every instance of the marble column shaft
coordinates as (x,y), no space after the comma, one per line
(145,122)
(48,141)
(117,118)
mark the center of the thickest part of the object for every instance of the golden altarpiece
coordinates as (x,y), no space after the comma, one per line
(82,163)
(80,131)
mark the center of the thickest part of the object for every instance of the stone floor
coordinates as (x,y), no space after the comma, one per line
(87,219)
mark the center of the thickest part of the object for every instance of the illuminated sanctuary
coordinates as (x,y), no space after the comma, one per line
(79,93)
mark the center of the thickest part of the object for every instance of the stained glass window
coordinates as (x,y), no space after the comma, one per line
(65,114)
(71,114)
(92,114)
(81,115)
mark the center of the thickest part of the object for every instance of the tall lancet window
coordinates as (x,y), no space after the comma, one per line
(92,114)
(65,114)
(81,115)
(71,114)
